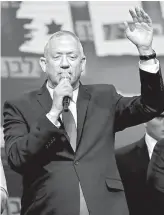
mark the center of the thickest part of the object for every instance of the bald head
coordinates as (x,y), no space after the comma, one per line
(62,34)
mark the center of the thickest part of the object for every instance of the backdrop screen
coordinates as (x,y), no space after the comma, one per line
(111,58)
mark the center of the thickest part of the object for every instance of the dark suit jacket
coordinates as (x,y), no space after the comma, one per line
(155,177)
(51,170)
(132,161)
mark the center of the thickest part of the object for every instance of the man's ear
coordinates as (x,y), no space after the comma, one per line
(83,64)
(42,63)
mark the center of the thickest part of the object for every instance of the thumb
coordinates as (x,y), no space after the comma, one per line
(126,28)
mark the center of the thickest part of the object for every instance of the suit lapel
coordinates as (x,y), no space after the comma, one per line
(82,105)
(143,154)
(44,98)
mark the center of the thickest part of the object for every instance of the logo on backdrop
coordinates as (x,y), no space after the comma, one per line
(26,26)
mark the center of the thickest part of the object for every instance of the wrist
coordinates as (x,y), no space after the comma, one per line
(54,119)
(145,50)
(54,113)
(148,58)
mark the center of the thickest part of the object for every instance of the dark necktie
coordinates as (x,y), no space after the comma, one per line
(70,127)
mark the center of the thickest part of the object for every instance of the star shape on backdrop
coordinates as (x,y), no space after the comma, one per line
(53,27)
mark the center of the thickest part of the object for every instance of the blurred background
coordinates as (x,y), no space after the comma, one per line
(111,58)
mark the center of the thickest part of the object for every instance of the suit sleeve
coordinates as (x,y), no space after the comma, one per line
(131,111)
(25,143)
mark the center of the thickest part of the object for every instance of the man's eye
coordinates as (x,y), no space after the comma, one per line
(56,57)
(73,57)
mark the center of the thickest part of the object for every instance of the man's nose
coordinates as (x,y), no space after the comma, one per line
(64,63)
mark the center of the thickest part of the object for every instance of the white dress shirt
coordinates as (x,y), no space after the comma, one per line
(72,106)
(150,142)
(152,68)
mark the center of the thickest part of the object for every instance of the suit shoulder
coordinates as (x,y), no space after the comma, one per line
(125,155)
(23,99)
(159,148)
(130,151)
(126,149)
(101,88)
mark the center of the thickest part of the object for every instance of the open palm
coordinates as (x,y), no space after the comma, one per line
(141,32)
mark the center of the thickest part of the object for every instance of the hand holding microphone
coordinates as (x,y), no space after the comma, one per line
(66,99)
(61,96)
(66,102)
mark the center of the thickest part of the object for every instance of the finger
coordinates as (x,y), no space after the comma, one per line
(66,87)
(133,15)
(64,81)
(126,27)
(68,92)
(66,84)
(146,17)
(145,25)
(65,78)
(139,16)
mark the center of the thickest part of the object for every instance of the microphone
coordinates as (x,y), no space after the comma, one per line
(66,99)
(66,102)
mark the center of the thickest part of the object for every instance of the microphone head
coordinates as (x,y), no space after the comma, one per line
(66,99)
(66,102)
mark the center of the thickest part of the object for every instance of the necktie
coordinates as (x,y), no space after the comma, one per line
(70,127)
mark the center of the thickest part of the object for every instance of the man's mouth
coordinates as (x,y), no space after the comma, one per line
(68,77)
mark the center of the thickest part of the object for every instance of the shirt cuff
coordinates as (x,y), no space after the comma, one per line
(150,68)
(55,122)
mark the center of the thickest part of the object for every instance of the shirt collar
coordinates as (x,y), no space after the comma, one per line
(75,93)
(150,142)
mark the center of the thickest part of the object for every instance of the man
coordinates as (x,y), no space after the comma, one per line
(3,187)
(155,177)
(133,161)
(67,158)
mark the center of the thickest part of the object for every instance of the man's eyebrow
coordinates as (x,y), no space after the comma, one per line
(71,52)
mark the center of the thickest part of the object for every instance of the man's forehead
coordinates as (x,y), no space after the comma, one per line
(64,43)
(63,39)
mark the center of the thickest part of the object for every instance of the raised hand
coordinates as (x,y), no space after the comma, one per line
(141,31)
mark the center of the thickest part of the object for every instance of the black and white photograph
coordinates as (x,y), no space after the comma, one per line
(82,108)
